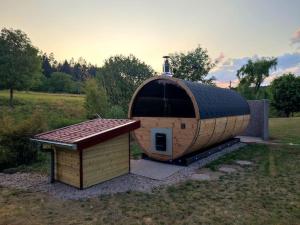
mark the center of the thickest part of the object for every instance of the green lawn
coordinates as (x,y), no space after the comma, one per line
(285,130)
(267,193)
(59,109)
(41,96)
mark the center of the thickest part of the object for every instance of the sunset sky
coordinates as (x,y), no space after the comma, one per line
(234,30)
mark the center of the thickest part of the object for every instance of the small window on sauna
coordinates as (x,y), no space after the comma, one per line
(161,142)
(162,98)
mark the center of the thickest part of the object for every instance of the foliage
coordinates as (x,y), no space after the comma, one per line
(116,112)
(95,99)
(15,145)
(264,92)
(194,66)
(135,150)
(120,76)
(253,74)
(286,93)
(20,64)
(60,82)
(48,63)
(79,70)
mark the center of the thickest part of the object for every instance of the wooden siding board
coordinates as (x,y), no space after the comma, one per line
(67,166)
(106,160)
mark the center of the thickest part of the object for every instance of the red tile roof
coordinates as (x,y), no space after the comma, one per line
(96,130)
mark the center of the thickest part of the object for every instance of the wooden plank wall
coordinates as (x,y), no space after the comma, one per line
(198,134)
(213,131)
(106,160)
(67,166)
(182,138)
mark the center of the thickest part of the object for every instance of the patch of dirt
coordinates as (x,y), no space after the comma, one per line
(229,168)
(243,163)
(206,174)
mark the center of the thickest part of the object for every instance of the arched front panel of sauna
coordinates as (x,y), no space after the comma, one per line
(165,106)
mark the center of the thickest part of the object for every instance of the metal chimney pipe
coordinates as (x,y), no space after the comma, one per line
(167,67)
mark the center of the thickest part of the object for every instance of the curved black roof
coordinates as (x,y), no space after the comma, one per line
(216,102)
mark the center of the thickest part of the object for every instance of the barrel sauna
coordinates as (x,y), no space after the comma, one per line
(179,117)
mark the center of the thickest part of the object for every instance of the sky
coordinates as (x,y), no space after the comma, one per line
(231,30)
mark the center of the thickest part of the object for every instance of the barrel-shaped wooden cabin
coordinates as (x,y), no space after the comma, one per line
(179,117)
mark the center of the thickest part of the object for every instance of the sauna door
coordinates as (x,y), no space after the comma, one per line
(161,141)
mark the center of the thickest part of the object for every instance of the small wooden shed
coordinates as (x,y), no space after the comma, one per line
(90,152)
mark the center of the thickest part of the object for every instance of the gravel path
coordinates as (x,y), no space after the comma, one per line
(125,183)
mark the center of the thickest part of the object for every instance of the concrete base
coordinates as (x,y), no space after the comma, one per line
(248,139)
(153,170)
(163,171)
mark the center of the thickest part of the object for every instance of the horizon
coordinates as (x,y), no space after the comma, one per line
(231,31)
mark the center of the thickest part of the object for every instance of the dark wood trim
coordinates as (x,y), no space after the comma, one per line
(52,166)
(81,145)
(80,170)
(129,153)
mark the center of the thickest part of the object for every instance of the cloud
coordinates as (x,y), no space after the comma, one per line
(226,71)
(296,37)
(220,58)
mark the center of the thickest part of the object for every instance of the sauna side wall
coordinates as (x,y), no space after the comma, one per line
(213,131)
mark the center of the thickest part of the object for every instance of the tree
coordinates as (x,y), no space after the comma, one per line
(65,68)
(95,99)
(286,93)
(120,76)
(60,82)
(194,66)
(253,74)
(46,66)
(20,64)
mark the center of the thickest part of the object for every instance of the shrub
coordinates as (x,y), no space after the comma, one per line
(95,99)
(286,93)
(60,82)
(15,145)
(116,112)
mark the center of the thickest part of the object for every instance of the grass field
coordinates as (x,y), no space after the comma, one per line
(285,130)
(58,109)
(266,193)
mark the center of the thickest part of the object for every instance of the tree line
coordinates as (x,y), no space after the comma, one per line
(109,88)
(283,91)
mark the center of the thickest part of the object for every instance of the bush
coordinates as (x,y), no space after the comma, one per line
(15,145)
(95,99)
(286,94)
(116,112)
